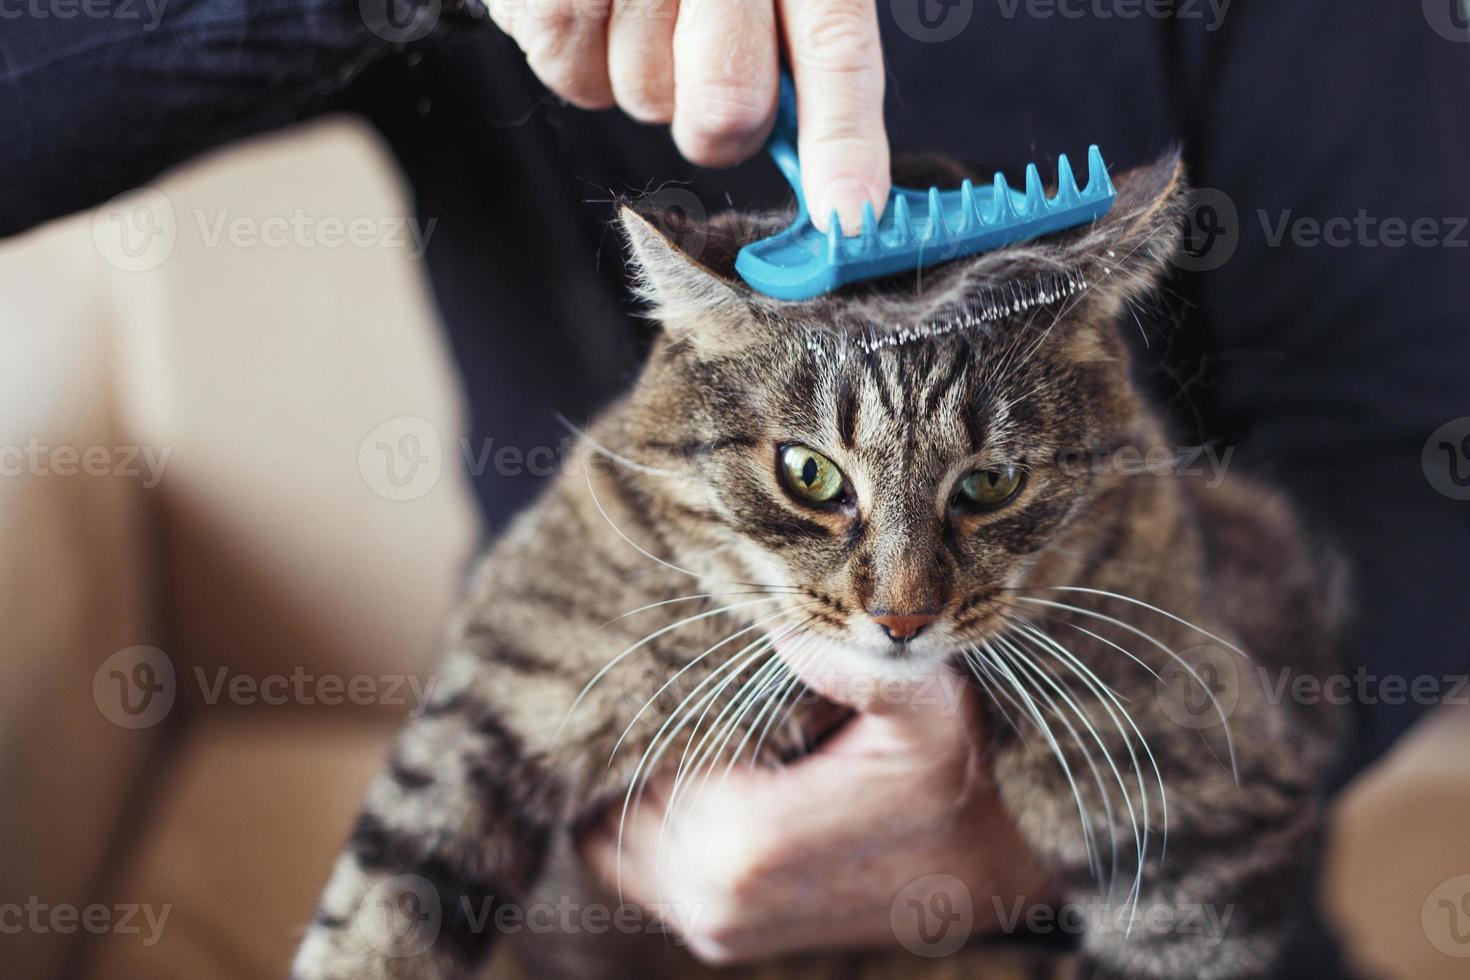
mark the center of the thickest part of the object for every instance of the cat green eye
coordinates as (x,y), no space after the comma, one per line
(810,476)
(988,489)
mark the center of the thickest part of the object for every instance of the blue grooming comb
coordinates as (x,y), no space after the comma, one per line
(919,228)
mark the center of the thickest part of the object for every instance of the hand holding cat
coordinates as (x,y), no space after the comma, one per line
(813,856)
(709,67)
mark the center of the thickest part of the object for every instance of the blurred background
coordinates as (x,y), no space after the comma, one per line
(233,513)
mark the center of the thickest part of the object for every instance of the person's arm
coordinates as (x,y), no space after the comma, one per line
(91,106)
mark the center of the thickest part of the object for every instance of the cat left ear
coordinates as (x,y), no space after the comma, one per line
(1125,254)
(686,296)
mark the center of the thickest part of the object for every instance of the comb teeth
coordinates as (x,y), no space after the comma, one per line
(1067,192)
(969,209)
(868,236)
(903,225)
(935,232)
(922,228)
(1099,184)
(1005,211)
(1035,190)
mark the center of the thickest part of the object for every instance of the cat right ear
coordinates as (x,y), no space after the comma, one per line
(688,298)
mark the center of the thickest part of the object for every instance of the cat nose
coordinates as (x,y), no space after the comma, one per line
(903,627)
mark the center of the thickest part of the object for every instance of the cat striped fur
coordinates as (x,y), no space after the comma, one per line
(624,625)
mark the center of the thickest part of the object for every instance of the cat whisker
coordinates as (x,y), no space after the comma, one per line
(1148,750)
(693,555)
(726,721)
(693,702)
(1117,714)
(603,671)
(663,737)
(800,656)
(1184,664)
(753,625)
(981,671)
(1017,610)
(597,501)
(1151,608)
(610,454)
(691,598)
(762,647)
(761,696)
(711,757)
(676,722)
(708,751)
(1023,662)
(1107,694)
(796,684)
(1039,720)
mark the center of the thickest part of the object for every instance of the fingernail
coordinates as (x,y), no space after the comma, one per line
(846,196)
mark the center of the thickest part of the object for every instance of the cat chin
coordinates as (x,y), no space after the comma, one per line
(855,674)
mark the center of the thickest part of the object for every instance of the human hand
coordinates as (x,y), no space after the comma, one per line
(709,67)
(812,856)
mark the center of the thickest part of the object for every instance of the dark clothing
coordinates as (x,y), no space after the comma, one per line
(1327,365)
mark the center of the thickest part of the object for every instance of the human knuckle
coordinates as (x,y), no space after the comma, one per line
(719,114)
(752,868)
(751,883)
(840,38)
(560,68)
(545,19)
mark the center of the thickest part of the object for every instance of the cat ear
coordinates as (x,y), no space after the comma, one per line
(1125,254)
(686,296)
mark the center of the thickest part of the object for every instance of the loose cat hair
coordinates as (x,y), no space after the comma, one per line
(927,472)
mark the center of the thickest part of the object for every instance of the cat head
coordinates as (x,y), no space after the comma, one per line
(893,457)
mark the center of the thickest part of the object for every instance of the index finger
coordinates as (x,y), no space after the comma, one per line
(837,64)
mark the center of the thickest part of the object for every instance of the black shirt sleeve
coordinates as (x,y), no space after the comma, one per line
(99,96)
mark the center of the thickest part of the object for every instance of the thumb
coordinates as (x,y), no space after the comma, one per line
(837,64)
(925,707)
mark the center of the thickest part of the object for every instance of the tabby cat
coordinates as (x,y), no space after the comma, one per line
(920,471)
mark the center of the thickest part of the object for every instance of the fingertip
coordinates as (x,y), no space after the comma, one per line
(847,197)
(837,63)
(592,101)
(648,110)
